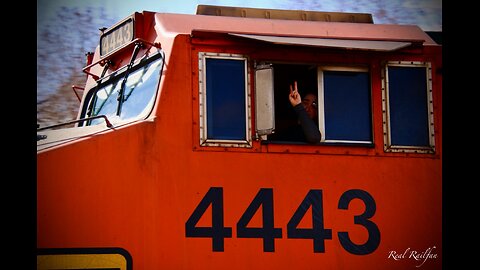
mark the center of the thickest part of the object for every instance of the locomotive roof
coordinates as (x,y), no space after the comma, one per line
(173,24)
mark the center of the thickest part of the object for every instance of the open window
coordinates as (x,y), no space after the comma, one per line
(408,114)
(285,116)
(343,102)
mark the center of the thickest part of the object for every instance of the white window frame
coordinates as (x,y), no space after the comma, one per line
(321,101)
(204,140)
(388,146)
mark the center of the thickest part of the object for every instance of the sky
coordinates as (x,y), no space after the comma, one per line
(425,13)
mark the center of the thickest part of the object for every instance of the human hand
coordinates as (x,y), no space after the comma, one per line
(294,96)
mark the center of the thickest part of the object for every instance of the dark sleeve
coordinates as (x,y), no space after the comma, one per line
(310,129)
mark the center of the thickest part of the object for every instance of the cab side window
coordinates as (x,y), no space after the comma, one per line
(345,105)
(284,76)
(224,106)
(408,118)
(344,101)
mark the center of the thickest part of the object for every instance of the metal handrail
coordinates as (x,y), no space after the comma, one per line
(79,120)
(74,87)
(108,56)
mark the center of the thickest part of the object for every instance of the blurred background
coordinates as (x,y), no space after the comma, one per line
(68,29)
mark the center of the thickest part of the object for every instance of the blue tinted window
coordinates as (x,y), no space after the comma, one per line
(225,82)
(408,106)
(139,93)
(347,106)
(140,90)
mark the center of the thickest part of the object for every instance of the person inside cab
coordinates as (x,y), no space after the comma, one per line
(305,129)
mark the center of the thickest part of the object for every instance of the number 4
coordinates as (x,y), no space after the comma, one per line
(217,232)
(264,199)
(318,232)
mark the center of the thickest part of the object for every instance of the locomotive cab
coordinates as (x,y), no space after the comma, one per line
(342,70)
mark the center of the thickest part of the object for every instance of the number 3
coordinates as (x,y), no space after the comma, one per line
(373,231)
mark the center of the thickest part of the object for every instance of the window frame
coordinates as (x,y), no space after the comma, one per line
(202,86)
(386,110)
(117,77)
(321,102)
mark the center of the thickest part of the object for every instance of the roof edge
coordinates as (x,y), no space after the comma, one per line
(298,15)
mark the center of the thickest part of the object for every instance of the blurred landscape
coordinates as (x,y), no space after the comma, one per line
(61,49)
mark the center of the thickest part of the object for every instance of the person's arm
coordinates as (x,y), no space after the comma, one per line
(310,129)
